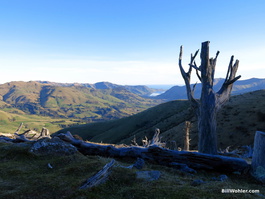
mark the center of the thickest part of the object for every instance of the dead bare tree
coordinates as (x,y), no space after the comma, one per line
(187,136)
(210,101)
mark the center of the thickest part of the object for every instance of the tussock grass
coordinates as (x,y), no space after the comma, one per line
(25,175)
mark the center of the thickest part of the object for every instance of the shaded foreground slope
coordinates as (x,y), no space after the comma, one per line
(236,125)
(25,175)
(139,125)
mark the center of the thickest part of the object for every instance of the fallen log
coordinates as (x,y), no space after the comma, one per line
(21,138)
(18,138)
(24,137)
(99,177)
(161,156)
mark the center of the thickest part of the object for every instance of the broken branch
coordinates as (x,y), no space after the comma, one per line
(99,177)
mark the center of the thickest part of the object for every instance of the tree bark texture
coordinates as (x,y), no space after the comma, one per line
(207,109)
(210,101)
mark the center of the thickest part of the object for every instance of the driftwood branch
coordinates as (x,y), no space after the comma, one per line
(186,77)
(19,128)
(160,155)
(156,140)
(99,177)
(25,137)
(44,133)
(225,91)
(230,76)
(21,138)
(198,75)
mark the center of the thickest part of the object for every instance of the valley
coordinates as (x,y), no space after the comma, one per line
(59,105)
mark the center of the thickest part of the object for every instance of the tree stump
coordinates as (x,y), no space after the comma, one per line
(258,159)
(187,136)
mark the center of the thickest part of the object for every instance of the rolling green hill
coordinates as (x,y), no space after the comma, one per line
(102,101)
(237,123)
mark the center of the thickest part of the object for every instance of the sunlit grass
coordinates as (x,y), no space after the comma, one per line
(9,122)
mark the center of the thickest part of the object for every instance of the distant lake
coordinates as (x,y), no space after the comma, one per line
(161,86)
(156,94)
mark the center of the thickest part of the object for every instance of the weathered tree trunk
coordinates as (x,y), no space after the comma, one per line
(210,102)
(187,136)
(207,109)
(160,155)
(258,159)
(207,132)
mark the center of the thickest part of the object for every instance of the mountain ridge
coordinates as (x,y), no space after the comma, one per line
(239,87)
(141,90)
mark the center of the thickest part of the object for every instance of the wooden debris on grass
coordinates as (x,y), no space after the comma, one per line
(99,177)
(160,155)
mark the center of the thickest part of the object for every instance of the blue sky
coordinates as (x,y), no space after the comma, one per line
(126,41)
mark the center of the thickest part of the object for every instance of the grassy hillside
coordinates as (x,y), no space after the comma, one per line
(11,118)
(139,125)
(27,176)
(237,122)
(75,100)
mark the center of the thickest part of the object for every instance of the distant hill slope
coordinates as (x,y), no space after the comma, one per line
(11,118)
(237,123)
(140,90)
(90,102)
(239,87)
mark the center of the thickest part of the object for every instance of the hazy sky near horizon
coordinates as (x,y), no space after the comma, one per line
(126,41)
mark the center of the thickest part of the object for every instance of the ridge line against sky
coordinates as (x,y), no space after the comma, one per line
(126,42)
